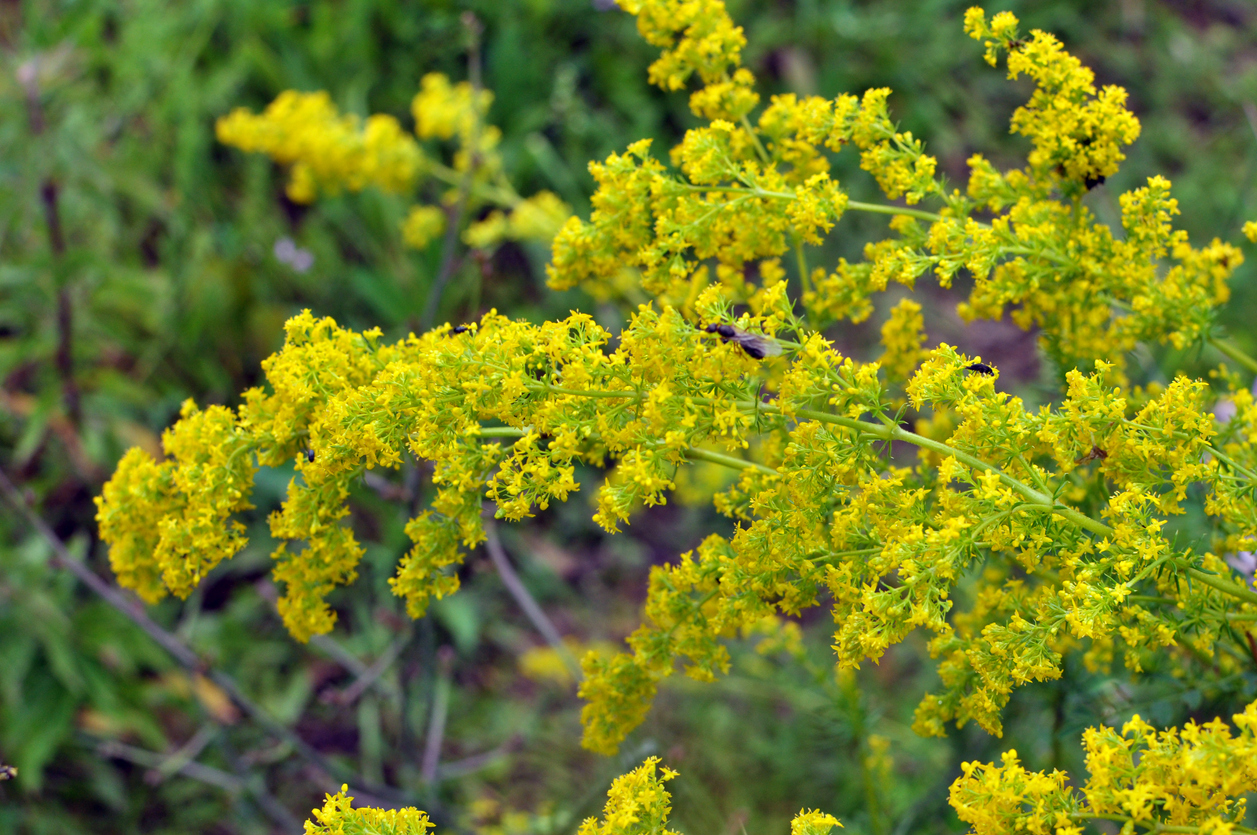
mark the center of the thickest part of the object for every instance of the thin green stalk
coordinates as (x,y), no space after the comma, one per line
(1233,351)
(759,146)
(493,194)
(458,212)
(886,209)
(805,280)
(896,433)
(697,608)
(726,460)
(502,432)
(857,205)
(1216,582)
(588,392)
(855,715)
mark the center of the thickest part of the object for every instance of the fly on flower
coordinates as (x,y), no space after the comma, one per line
(982,368)
(1091,455)
(755,345)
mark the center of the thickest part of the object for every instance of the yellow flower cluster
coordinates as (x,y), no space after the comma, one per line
(1077,133)
(1053,521)
(505,410)
(742,193)
(698,36)
(329,152)
(1191,780)
(902,337)
(338,817)
(172,519)
(637,803)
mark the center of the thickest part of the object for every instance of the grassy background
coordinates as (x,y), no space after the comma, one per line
(167,269)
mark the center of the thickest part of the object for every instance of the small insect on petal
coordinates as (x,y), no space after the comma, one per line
(457,329)
(1091,455)
(981,368)
(755,345)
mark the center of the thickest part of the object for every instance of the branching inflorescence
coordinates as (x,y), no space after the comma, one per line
(1055,517)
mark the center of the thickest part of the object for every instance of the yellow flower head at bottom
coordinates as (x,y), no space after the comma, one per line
(637,803)
(338,817)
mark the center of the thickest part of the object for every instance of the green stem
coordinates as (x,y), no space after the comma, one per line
(588,392)
(886,209)
(805,280)
(726,460)
(493,194)
(856,716)
(502,432)
(896,433)
(696,609)
(839,555)
(1183,436)
(759,146)
(1216,582)
(1230,349)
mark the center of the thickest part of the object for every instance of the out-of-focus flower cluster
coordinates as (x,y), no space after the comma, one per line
(328,152)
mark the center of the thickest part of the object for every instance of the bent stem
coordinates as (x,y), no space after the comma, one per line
(532,609)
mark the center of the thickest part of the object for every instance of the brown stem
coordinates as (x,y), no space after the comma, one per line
(65,357)
(158,763)
(440,710)
(526,601)
(49,193)
(371,675)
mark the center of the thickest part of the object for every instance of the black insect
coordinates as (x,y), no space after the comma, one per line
(755,345)
(1092,182)
(981,368)
(457,329)
(1091,455)
(310,455)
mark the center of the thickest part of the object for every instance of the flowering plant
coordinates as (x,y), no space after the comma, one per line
(907,492)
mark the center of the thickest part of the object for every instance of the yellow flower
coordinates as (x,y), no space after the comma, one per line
(337,816)
(422,225)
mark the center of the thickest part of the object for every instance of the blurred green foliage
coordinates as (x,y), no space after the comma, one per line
(163,284)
